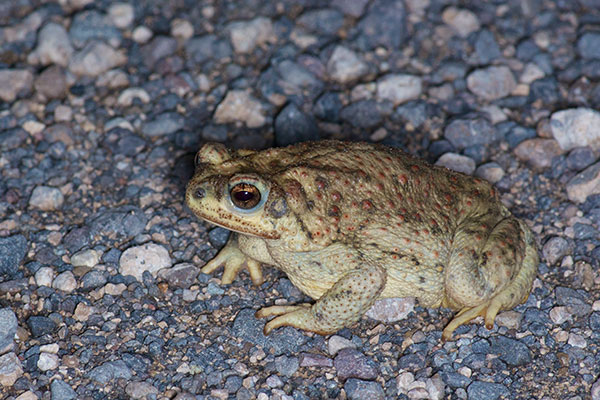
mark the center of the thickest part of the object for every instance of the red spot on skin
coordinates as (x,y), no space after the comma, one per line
(395,256)
(336,196)
(390,204)
(415,168)
(453,179)
(318,196)
(436,253)
(367,204)
(346,181)
(304,174)
(321,184)
(406,240)
(354,204)
(469,203)
(381,175)
(418,182)
(448,198)
(433,222)
(346,216)
(426,232)
(416,233)
(317,233)
(399,196)
(379,187)
(402,179)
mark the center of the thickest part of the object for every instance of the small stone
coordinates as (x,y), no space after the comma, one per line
(51,348)
(384,25)
(286,366)
(538,152)
(580,158)
(121,14)
(315,360)
(92,280)
(576,127)
(294,126)
(114,290)
(584,184)
(357,389)
(14,83)
(531,73)
(337,343)
(511,351)
(509,319)
(491,172)
(354,8)
(95,59)
(457,162)
(362,114)
(240,106)
(142,34)
(345,66)
(399,88)
(54,46)
(480,390)
(181,275)
(63,113)
(462,21)
(39,325)
(110,371)
(46,198)
(576,340)
(8,329)
(44,276)
(128,95)
(491,83)
(245,36)
(559,314)
(464,133)
(47,361)
(10,369)
(140,390)
(52,83)
(28,395)
(149,257)
(65,282)
(391,309)
(85,258)
(91,25)
(62,391)
(555,249)
(163,124)
(588,45)
(182,28)
(350,363)
(273,381)
(12,250)
(596,390)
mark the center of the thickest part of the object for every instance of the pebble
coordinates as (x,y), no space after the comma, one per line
(91,25)
(480,390)
(580,157)
(121,14)
(576,340)
(584,184)
(95,59)
(511,351)
(576,127)
(46,198)
(10,369)
(315,360)
(182,28)
(560,314)
(14,83)
(86,258)
(596,390)
(531,73)
(555,249)
(142,34)
(8,329)
(491,172)
(52,83)
(62,391)
(54,46)
(286,366)
(110,371)
(384,25)
(462,21)
(65,281)
(457,162)
(357,389)
(588,45)
(12,251)
(350,363)
(29,395)
(491,83)
(362,114)
(182,275)
(352,8)
(337,343)
(294,126)
(149,257)
(391,309)
(240,106)
(245,36)
(128,95)
(462,133)
(47,362)
(538,153)
(40,325)
(140,390)
(399,88)
(44,276)
(163,124)
(345,66)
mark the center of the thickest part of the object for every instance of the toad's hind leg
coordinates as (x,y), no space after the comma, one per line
(339,307)
(498,276)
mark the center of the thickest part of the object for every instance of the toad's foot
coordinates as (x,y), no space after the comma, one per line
(297,316)
(233,261)
(488,310)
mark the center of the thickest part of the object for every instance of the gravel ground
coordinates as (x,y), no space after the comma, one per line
(103,104)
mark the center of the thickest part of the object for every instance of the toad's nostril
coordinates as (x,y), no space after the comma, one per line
(199,193)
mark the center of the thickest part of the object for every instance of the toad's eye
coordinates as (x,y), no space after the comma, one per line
(245,196)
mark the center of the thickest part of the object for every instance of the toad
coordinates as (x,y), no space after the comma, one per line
(350,223)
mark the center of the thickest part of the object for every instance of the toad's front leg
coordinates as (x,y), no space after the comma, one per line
(339,307)
(233,260)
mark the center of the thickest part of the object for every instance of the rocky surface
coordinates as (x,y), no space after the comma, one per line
(103,104)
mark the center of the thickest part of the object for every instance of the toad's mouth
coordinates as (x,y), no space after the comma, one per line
(239,229)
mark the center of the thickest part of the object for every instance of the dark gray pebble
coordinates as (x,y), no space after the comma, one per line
(12,251)
(293,126)
(357,389)
(350,363)
(40,325)
(480,390)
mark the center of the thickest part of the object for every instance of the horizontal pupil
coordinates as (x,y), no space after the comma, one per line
(244,195)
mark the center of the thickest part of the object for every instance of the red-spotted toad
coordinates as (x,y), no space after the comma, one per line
(350,223)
